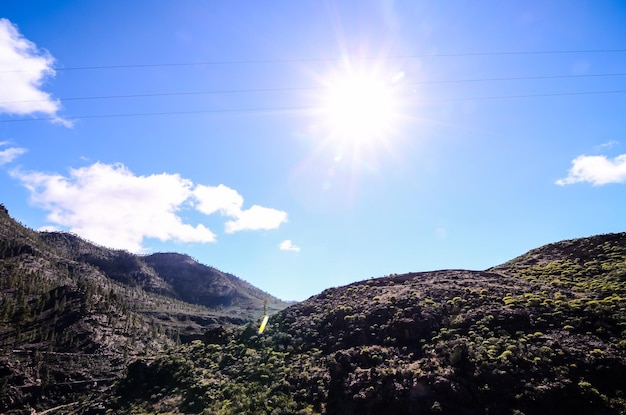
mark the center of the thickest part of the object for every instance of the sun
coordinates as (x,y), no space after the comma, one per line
(360,107)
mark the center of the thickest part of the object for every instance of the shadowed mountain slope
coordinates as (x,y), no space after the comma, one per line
(199,284)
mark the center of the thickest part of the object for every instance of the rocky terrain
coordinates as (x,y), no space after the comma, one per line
(543,333)
(73,315)
(87,330)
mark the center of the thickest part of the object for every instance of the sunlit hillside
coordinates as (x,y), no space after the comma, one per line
(543,333)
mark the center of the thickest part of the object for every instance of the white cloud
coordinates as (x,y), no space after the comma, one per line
(111,206)
(256,218)
(287,245)
(10,154)
(218,198)
(24,68)
(229,203)
(598,170)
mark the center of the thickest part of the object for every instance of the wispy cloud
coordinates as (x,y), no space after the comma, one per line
(597,170)
(606,146)
(287,245)
(441,233)
(24,69)
(108,204)
(9,154)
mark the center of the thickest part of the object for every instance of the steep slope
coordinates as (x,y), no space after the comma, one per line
(544,333)
(73,314)
(199,284)
(120,266)
(63,324)
(170,274)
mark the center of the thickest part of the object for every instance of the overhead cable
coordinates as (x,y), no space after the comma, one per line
(288,89)
(298,108)
(327,59)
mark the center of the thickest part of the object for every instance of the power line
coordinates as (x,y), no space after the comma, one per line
(164,94)
(519,78)
(256,90)
(299,108)
(142,114)
(326,59)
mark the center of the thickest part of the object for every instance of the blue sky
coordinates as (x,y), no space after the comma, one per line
(310,144)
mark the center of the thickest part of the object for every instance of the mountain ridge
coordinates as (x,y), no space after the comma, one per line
(542,333)
(72,311)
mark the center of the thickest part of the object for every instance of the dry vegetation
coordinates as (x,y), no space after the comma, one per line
(543,333)
(73,315)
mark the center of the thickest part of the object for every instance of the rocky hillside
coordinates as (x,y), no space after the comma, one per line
(73,314)
(543,333)
(172,275)
(196,283)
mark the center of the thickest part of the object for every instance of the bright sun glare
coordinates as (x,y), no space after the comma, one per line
(360,107)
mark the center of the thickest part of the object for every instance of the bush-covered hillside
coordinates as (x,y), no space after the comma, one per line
(544,333)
